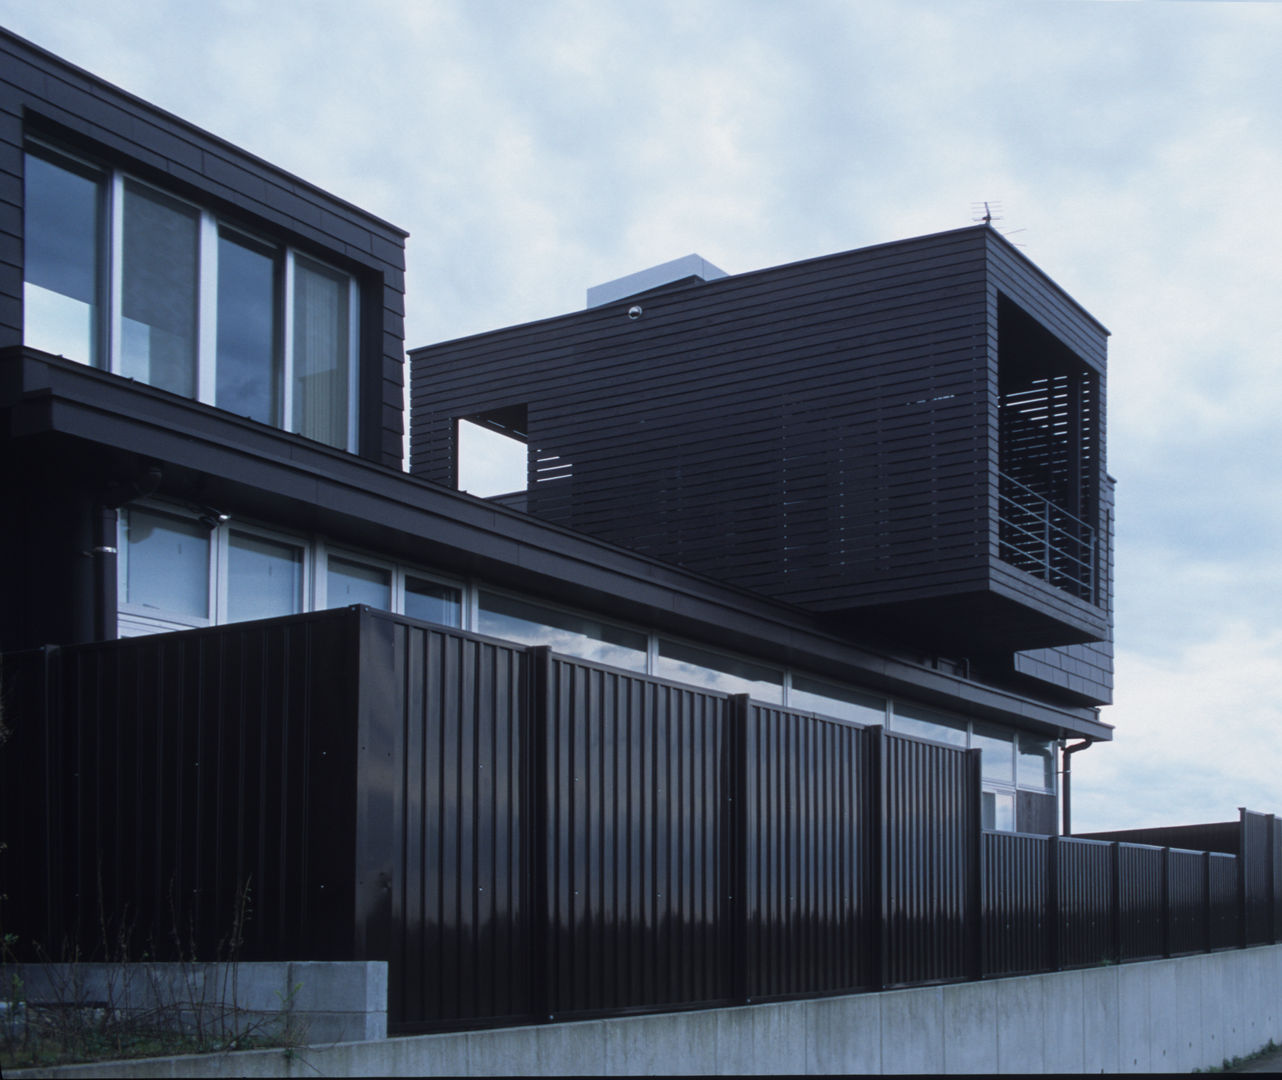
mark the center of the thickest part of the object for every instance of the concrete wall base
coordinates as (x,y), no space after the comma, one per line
(1159,1016)
(299,1003)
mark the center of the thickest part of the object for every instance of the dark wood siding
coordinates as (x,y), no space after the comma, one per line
(40,93)
(823,433)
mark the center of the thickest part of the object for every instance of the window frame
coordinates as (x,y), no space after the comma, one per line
(106,350)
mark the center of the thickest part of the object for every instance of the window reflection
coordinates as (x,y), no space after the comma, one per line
(248,355)
(158,308)
(926,724)
(62,291)
(433,602)
(264,578)
(1036,762)
(729,674)
(574,635)
(829,699)
(999,752)
(164,564)
(349,582)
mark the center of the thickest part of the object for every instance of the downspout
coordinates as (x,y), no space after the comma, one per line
(1066,773)
(104,568)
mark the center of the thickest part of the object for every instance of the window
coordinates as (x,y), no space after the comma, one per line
(178,570)
(164,567)
(122,276)
(837,701)
(717,671)
(264,578)
(564,631)
(492,458)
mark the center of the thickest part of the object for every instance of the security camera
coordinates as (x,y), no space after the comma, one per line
(634,312)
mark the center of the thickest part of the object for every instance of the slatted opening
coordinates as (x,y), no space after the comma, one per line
(1049,428)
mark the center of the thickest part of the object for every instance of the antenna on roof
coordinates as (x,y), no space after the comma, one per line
(992,211)
(988,212)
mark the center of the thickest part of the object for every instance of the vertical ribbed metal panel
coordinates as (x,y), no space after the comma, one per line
(635,774)
(1141,901)
(807,871)
(1187,904)
(1016,892)
(195,774)
(1225,917)
(930,807)
(460,910)
(1085,876)
(1257,876)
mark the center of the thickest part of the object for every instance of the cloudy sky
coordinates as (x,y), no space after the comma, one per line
(1134,150)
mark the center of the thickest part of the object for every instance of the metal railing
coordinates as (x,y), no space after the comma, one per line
(1045,540)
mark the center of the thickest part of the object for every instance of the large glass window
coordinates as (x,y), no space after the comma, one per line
(717,671)
(321,352)
(998,745)
(164,565)
(928,724)
(433,602)
(830,699)
(158,306)
(1036,762)
(264,578)
(248,359)
(199,307)
(62,293)
(351,582)
(564,631)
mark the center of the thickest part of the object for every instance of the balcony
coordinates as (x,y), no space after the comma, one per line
(1045,540)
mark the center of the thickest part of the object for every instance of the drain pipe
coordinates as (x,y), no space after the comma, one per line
(1066,773)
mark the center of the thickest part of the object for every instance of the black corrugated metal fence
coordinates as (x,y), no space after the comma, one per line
(524,836)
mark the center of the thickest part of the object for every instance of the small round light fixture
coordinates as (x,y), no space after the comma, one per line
(634,312)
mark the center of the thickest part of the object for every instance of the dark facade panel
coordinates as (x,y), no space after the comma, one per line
(1141,889)
(88,117)
(1016,894)
(1188,879)
(808,858)
(821,433)
(632,780)
(930,861)
(167,793)
(1086,876)
(444,868)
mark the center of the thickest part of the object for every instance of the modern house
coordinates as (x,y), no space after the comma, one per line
(758,671)
(870,485)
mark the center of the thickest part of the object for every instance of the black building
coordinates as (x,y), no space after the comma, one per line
(869,487)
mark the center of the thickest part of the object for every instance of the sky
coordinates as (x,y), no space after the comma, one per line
(1132,148)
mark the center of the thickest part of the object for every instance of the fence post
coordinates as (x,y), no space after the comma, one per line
(542,965)
(975,884)
(875,831)
(1116,900)
(1166,901)
(1241,878)
(1208,921)
(738,907)
(1051,929)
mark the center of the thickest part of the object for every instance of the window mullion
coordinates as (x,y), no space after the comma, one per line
(116,271)
(218,573)
(287,347)
(207,312)
(353,366)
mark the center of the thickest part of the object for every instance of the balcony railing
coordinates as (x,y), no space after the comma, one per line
(1045,540)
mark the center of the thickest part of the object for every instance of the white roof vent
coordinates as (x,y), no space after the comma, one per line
(695,266)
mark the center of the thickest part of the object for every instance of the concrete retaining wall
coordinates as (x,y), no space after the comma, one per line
(312,1002)
(1161,1016)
